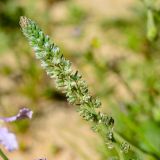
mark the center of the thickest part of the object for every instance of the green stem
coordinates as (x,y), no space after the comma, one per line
(134,148)
(120,153)
(4,157)
(120,139)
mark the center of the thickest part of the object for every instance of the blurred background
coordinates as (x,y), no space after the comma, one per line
(107,42)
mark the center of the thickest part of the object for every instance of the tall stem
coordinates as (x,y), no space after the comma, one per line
(134,148)
(4,157)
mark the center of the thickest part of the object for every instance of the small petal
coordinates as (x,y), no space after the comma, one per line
(23,113)
(7,139)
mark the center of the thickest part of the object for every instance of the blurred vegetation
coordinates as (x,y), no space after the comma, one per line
(137,112)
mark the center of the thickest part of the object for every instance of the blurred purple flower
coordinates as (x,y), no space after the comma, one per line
(7,139)
(23,113)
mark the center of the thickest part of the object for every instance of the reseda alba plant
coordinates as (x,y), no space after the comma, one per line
(74,87)
(69,81)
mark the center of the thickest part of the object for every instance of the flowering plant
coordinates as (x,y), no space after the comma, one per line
(8,139)
(72,84)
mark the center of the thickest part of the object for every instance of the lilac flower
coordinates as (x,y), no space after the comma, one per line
(23,113)
(7,139)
